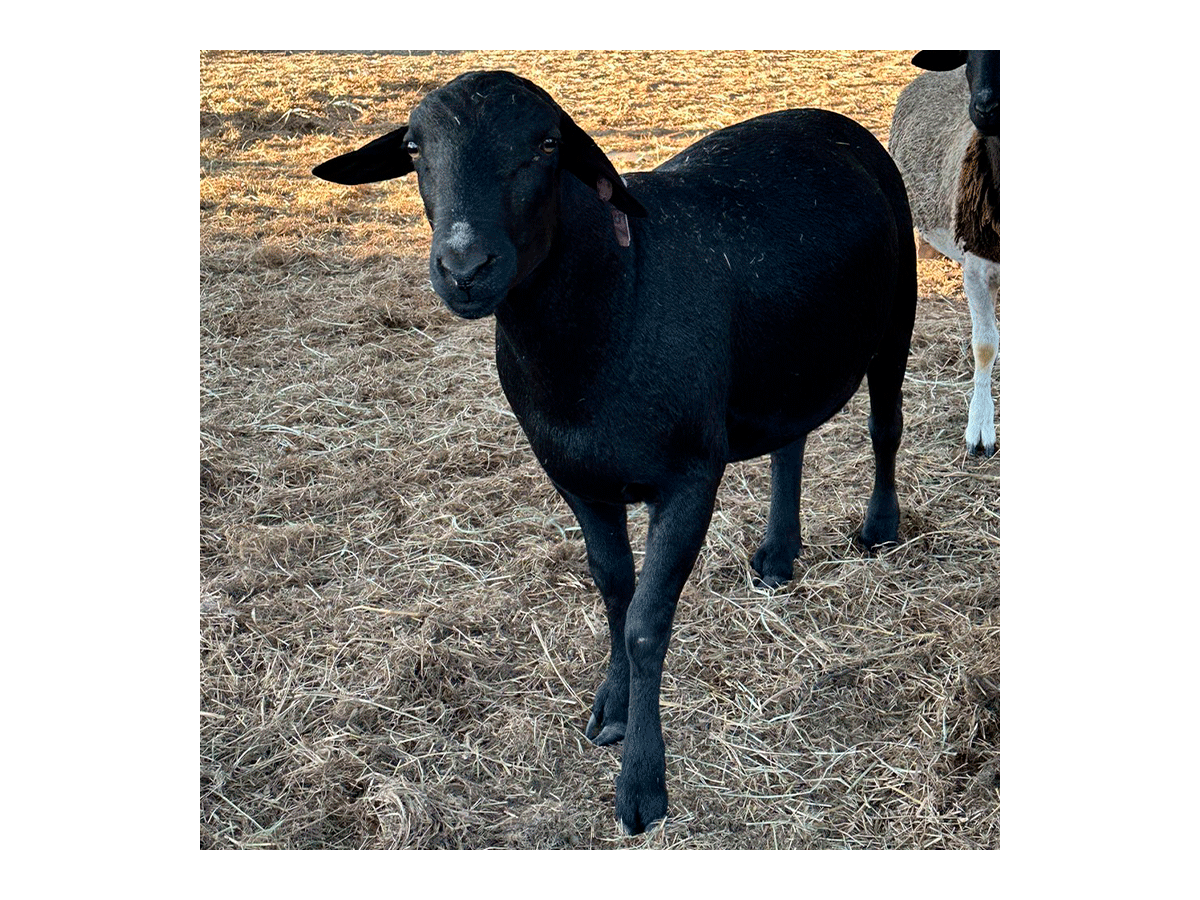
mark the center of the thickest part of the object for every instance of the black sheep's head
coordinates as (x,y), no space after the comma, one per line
(488,149)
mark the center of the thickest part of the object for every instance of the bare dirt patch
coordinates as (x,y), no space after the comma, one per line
(399,636)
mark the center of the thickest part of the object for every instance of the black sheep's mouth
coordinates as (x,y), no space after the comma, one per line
(471,303)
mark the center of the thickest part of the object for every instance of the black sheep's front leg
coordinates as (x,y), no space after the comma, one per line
(610,559)
(678,523)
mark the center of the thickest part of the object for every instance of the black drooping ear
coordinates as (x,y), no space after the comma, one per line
(940,60)
(587,162)
(379,160)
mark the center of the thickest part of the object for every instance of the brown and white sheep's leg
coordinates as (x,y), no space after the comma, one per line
(981,282)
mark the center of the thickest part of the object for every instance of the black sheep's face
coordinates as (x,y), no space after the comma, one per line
(487,168)
(488,149)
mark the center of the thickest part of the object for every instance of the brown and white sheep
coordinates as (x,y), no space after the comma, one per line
(945,138)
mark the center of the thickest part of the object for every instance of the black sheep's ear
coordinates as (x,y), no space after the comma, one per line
(940,60)
(383,158)
(587,162)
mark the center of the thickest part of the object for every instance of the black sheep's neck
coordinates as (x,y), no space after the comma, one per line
(564,313)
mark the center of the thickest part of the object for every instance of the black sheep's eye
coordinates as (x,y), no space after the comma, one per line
(549,145)
(411,148)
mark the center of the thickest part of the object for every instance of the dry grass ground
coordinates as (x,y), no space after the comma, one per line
(399,639)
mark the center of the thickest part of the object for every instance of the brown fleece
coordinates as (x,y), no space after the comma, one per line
(977,208)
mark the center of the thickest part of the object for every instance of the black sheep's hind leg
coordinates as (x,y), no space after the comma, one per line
(885,380)
(781,546)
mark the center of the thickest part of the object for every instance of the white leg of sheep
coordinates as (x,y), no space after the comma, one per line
(981,282)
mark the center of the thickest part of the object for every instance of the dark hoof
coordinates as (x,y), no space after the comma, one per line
(609,713)
(640,811)
(771,581)
(870,545)
(603,736)
(882,525)
(631,830)
(981,450)
(876,538)
(873,537)
(773,566)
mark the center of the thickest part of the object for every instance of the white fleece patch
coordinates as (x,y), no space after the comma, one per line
(460,237)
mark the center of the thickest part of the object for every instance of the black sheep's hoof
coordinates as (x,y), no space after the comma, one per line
(640,809)
(610,712)
(774,565)
(603,735)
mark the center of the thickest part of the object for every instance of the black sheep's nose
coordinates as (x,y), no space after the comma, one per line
(463,269)
(461,256)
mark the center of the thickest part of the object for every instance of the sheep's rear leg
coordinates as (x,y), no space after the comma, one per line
(610,560)
(781,546)
(885,379)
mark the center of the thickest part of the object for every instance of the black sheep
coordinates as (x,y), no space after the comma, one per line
(654,328)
